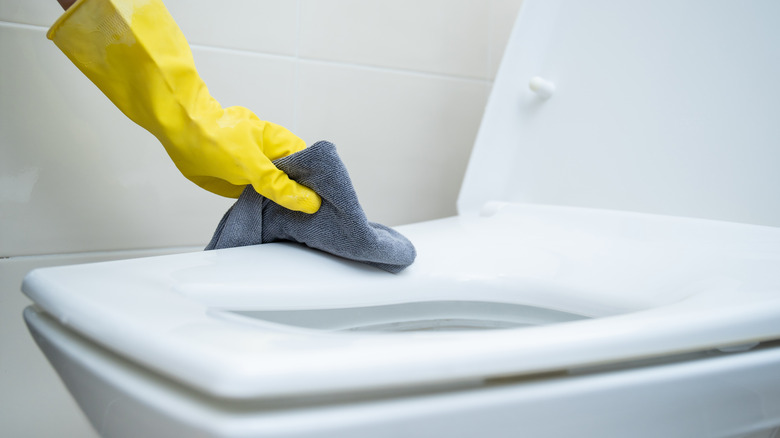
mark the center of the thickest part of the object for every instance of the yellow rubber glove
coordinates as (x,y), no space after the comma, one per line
(136,54)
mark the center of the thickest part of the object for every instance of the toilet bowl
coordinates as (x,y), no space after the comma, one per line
(519,317)
(580,321)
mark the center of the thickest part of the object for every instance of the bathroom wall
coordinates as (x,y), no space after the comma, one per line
(399,86)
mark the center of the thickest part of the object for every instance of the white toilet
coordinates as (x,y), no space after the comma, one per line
(518,318)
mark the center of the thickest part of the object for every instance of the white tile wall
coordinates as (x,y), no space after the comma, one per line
(36,12)
(441,36)
(266,26)
(398,85)
(77,175)
(265,84)
(404,137)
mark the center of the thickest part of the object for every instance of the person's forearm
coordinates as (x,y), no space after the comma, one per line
(135,53)
(66,3)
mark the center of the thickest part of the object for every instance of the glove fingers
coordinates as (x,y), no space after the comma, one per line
(278,187)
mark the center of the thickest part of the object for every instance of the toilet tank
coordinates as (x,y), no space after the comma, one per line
(667,107)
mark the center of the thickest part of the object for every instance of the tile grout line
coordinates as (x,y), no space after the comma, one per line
(396,70)
(24,25)
(489,74)
(297,58)
(368,67)
(490,33)
(297,79)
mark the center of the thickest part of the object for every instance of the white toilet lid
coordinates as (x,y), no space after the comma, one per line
(655,286)
(662,107)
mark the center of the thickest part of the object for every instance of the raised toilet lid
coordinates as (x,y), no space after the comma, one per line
(662,107)
(650,87)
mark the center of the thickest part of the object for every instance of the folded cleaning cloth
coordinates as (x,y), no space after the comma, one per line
(339,227)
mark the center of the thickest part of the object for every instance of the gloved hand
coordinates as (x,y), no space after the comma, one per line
(138,57)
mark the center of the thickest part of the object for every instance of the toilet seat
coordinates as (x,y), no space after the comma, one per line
(694,285)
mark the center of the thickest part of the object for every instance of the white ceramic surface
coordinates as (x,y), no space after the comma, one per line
(713,394)
(30,386)
(653,286)
(660,107)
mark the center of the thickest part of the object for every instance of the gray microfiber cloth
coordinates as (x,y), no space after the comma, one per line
(339,227)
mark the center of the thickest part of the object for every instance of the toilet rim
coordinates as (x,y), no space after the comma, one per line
(212,350)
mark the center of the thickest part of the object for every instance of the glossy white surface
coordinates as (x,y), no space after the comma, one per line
(708,394)
(654,285)
(30,385)
(660,107)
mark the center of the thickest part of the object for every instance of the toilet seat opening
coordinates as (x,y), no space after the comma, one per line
(426,316)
